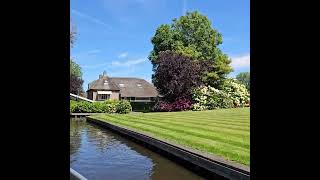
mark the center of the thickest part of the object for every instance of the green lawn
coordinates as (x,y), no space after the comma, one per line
(223,132)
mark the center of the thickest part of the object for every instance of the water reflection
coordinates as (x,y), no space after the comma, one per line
(97,153)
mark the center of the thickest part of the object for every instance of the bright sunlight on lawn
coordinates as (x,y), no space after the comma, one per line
(222,132)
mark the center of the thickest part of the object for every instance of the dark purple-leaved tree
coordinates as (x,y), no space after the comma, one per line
(175,75)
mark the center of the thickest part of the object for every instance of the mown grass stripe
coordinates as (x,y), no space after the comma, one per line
(224,150)
(224,132)
(239,142)
(177,131)
(196,120)
(246,129)
(200,126)
(230,119)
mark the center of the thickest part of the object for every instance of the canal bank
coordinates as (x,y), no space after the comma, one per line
(208,166)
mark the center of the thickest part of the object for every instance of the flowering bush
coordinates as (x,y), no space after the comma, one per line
(237,91)
(163,106)
(232,94)
(180,104)
(207,97)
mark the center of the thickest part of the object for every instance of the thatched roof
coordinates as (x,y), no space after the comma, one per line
(103,83)
(135,87)
(129,87)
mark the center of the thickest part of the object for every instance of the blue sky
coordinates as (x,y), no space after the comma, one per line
(114,35)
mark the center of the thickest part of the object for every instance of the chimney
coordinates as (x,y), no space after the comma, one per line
(104,74)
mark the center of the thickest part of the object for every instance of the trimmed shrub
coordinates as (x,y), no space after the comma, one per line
(108,106)
(123,107)
(111,105)
(98,107)
(73,105)
(83,107)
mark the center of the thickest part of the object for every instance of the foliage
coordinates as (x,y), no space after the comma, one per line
(207,97)
(162,106)
(108,106)
(180,104)
(232,94)
(75,84)
(111,105)
(175,75)
(83,107)
(75,78)
(237,91)
(244,78)
(123,107)
(99,107)
(73,105)
(75,69)
(193,36)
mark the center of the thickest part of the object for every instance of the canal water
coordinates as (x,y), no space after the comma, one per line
(97,153)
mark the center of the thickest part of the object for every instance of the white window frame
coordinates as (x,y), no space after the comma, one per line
(107,96)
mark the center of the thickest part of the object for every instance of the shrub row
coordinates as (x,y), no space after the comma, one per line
(180,104)
(108,106)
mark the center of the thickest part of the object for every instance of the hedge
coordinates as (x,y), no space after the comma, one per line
(108,106)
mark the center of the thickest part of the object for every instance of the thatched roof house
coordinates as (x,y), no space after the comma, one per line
(132,89)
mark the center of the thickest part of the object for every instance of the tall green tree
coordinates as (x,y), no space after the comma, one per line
(75,69)
(192,35)
(76,81)
(244,78)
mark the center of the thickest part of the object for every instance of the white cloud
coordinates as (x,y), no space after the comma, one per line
(89,18)
(129,63)
(123,72)
(241,61)
(94,66)
(123,55)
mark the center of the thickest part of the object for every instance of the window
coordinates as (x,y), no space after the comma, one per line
(142,99)
(102,97)
(139,85)
(105,82)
